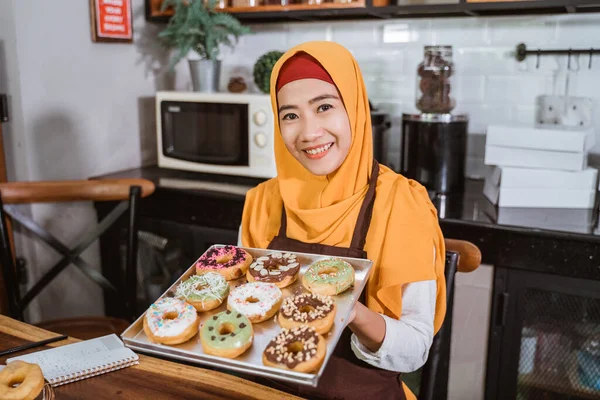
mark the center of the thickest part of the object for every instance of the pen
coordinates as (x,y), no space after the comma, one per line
(31,345)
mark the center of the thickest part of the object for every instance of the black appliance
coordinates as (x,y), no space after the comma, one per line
(433,151)
(380,124)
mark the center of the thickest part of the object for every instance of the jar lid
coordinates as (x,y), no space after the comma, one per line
(425,117)
(442,49)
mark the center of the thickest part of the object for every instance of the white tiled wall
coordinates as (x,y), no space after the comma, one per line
(490,85)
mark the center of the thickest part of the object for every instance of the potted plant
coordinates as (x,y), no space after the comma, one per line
(196,27)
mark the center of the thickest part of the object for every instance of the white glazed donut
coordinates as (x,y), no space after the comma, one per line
(170,321)
(258,301)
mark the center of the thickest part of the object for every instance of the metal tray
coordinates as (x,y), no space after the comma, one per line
(250,362)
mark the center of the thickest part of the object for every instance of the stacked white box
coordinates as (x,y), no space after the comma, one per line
(529,147)
(543,168)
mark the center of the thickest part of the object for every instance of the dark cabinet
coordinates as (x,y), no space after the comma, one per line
(167,246)
(544,337)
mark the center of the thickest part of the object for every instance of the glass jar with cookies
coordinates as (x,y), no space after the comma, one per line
(434,81)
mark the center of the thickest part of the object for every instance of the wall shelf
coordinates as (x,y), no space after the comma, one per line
(367,10)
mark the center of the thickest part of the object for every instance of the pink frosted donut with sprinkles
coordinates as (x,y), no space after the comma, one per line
(258,301)
(230,261)
(170,321)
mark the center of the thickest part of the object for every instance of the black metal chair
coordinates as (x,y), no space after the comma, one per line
(127,191)
(464,257)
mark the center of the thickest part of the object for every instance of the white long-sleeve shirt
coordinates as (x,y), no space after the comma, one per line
(407,341)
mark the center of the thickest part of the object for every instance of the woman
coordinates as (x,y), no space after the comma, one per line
(331,197)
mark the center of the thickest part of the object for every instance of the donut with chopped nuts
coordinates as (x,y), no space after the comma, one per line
(307,309)
(279,268)
(299,349)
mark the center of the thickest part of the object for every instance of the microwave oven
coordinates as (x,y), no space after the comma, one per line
(219,133)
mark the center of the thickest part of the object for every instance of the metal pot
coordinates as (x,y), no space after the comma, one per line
(205,75)
(433,151)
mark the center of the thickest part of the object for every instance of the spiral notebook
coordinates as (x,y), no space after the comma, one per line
(81,360)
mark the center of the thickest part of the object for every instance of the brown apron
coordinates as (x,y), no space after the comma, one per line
(345,376)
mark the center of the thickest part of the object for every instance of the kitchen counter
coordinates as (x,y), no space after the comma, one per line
(556,241)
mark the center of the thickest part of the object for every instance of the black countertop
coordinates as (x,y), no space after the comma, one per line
(559,241)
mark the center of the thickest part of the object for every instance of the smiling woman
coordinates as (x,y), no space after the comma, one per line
(331,197)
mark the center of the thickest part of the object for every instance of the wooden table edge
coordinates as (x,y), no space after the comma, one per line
(195,375)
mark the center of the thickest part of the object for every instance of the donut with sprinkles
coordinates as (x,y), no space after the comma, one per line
(204,292)
(230,261)
(170,321)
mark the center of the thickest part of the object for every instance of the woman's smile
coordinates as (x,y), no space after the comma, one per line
(316,152)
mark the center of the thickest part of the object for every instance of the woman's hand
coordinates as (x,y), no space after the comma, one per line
(368,326)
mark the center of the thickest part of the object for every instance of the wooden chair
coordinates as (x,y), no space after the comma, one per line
(127,191)
(461,256)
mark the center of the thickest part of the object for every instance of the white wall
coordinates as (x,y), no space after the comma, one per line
(10,84)
(78,109)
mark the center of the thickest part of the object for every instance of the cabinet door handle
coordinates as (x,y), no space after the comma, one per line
(3,108)
(502,308)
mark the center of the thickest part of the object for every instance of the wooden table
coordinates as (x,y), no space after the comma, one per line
(153,378)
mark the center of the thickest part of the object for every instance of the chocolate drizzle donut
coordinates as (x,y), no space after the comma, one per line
(279,268)
(308,309)
(299,349)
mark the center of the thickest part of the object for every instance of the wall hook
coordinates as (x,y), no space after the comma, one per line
(537,61)
(576,63)
(569,61)
(522,52)
(590,63)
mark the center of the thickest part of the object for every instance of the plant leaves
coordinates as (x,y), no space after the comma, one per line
(199,27)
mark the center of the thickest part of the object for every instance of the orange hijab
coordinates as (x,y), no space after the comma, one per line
(404,228)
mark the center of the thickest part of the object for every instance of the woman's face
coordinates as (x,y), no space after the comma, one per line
(314,124)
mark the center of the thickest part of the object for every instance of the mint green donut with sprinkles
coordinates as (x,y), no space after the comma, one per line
(328,277)
(204,292)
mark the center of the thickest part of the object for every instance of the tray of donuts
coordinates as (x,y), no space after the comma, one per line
(262,312)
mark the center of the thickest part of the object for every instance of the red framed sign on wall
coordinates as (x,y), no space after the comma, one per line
(111,20)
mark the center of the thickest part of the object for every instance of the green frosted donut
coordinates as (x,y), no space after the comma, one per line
(329,277)
(226,334)
(204,292)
